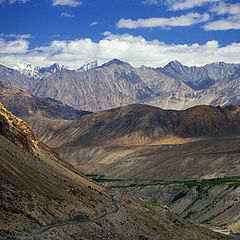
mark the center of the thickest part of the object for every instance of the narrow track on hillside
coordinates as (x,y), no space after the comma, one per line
(73,222)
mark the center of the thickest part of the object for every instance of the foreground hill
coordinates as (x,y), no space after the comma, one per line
(45,197)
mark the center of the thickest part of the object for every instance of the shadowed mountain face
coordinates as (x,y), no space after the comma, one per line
(140,124)
(42,196)
(25,105)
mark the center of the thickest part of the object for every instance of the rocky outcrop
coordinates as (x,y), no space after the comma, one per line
(16,130)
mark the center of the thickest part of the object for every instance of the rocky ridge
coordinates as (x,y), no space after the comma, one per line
(173,87)
(117,83)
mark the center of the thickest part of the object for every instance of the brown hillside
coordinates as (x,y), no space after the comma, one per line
(42,197)
(141,124)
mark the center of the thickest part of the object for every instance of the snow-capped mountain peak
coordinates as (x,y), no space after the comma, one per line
(38,73)
(56,67)
(88,66)
(27,70)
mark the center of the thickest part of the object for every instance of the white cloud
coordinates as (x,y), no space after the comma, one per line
(183,20)
(151,2)
(175,5)
(107,33)
(14,1)
(133,49)
(18,1)
(71,3)
(16,35)
(231,22)
(223,8)
(94,23)
(13,47)
(63,14)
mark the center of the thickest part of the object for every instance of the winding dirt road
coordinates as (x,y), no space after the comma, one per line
(73,222)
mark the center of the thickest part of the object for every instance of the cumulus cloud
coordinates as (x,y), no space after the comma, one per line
(71,3)
(13,47)
(175,5)
(183,20)
(133,49)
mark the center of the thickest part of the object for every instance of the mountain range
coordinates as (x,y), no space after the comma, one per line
(117,83)
(37,73)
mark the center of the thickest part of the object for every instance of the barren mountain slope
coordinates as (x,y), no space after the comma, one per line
(146,142)
(140,124)
(201,77)
(221,93)
(43,197)
(36,186)
(161,81)
(213,203)
(114,84)
(111,85)
(25,105)
(15,78)
(117,83)
(139,145)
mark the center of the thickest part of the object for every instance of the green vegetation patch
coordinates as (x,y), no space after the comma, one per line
(101,178)
(235,181)
(106,180)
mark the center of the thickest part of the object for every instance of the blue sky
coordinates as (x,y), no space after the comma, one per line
(141,32)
